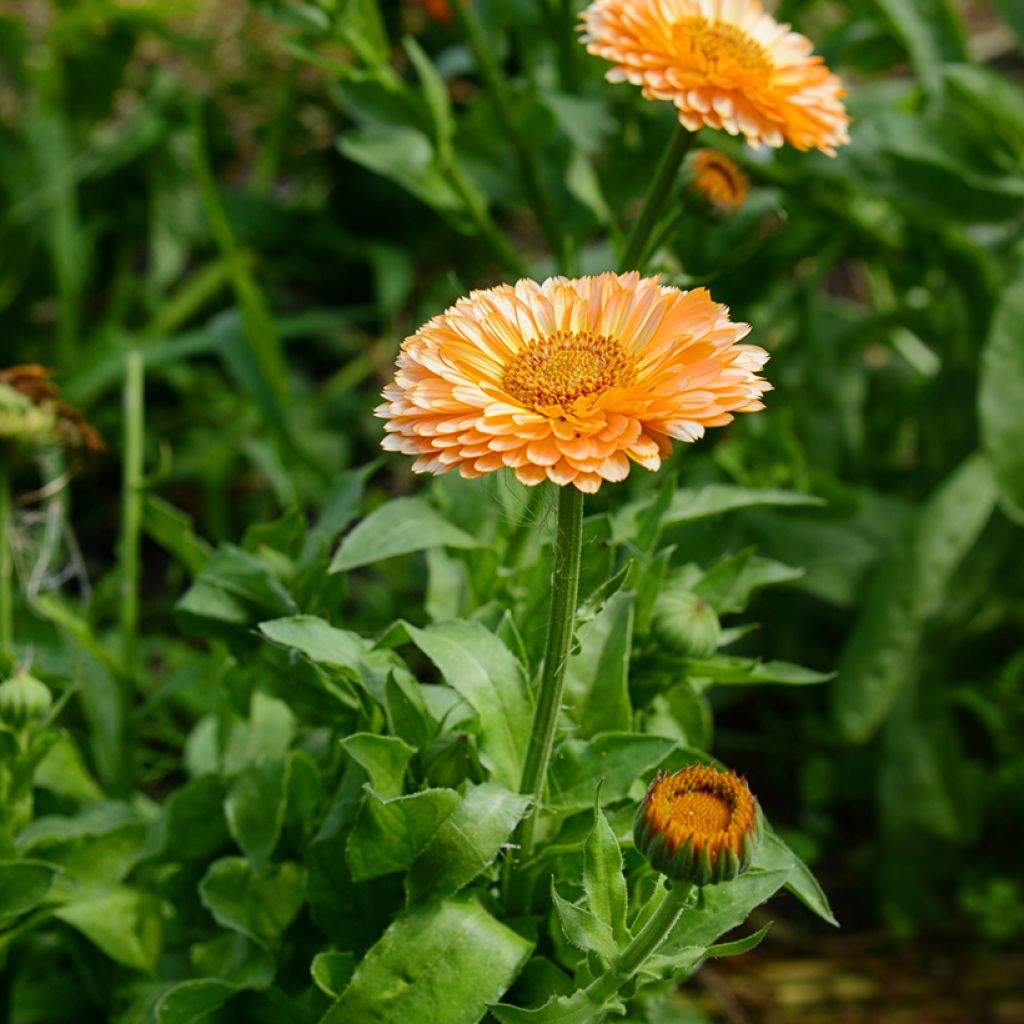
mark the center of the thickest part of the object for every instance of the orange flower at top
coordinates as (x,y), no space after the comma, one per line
(725,64)
(719,180)
(570,380)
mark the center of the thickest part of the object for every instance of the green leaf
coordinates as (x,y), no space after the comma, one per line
(172,530)
(233,592)
(390,833)
(406,157)
(700,503)
(738,946)
(467,841)
(620,759)
(721,908)
(442,962)
(931,32)
(401,526)
(730,671)
(597,675)
(97,847)
(476,664)
(23,885)
(435,93)
(577,1008)
(332,971)
(190,1002)
(775,855)
(192,826)
(260,906)
(583,929)
(1001,397)
(603,880)
(909,587)
(318,640)
(383,758)
(729,584)
(62,771)
(125,923)
(406,709)
(254,810)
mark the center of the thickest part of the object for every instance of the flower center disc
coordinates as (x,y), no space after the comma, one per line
(566,366)
(701,811)
(719,46)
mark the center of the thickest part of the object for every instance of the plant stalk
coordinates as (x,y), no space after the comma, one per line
(664,178)
(526,156)
(6,559)
(565,583)
(643,945)
(132,484)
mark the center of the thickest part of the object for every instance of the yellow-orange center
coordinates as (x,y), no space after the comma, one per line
(566,366)
(718,46)
(701,811)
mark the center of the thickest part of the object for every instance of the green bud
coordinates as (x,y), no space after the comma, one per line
(22,699)
(685,624)
(24,421)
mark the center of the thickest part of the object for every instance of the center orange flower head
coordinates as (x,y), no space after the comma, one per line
(571,380)
(699,825)
(724,64)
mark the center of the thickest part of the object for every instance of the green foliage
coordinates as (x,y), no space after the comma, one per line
(301,800)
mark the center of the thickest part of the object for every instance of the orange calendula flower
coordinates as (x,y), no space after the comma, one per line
(725,64)
(572,380)
(699,825)
(719,180)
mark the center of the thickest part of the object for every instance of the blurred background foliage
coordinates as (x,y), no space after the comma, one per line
(264,197)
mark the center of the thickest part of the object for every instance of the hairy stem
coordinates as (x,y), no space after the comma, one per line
(131,503)
(565,581)
(664,178)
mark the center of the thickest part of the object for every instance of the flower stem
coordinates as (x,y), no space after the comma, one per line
(6,561)
(481,217)
(504,108)
(664,178)
(131,503)
(565,582)
(643,945)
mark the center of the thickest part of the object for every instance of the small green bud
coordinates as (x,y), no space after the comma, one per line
(25,421)
(22,699)
(685,624)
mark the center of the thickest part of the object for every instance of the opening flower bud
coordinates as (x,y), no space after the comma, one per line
(700,825)
(685,624)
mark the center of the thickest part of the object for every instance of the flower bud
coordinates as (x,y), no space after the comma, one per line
(23,420)
(700,825)
(718,180)
(23,698)
(685,624)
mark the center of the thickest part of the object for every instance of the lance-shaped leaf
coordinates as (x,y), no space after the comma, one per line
(441,962)
(583,929)
(476,664)
(603,881)
(466,842)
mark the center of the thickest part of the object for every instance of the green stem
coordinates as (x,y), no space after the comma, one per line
(131,502)
(644,944)
(526,155)
(489,231)
(6,561)
(664,179)
(565,582)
